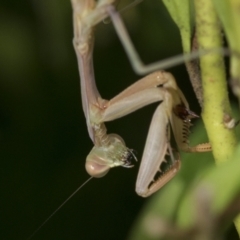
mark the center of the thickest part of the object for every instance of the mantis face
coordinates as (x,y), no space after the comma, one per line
(112,153)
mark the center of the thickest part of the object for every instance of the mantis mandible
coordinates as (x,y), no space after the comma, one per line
(109,149)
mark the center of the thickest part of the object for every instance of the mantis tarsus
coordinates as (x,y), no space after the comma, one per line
(109,149)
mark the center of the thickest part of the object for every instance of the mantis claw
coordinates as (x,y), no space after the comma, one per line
(161,178)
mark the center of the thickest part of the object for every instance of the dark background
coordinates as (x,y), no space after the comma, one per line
(43,134)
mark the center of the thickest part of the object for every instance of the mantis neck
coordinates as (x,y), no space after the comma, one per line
(101,137)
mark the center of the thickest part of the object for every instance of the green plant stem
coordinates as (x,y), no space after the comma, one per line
(216,103)
(216,107)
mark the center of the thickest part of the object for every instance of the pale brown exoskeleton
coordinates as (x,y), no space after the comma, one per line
(159,162)
(109,149)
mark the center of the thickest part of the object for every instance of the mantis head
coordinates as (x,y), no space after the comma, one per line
(112,153)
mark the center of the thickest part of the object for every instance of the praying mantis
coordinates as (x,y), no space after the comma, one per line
(110,150)
(159,86)
(173,110)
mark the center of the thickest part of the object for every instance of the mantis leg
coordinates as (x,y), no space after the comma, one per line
(155,87)
(133,56)
(149,89)
(173,109)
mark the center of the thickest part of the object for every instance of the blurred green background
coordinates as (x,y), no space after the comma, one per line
(43,134)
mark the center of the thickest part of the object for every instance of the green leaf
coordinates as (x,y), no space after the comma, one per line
(229,13)
(221,183)
(182,14)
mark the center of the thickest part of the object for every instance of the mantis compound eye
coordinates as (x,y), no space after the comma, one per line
(94,167)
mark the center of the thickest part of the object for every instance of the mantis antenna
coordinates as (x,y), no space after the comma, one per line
(50,216)
(131,5)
